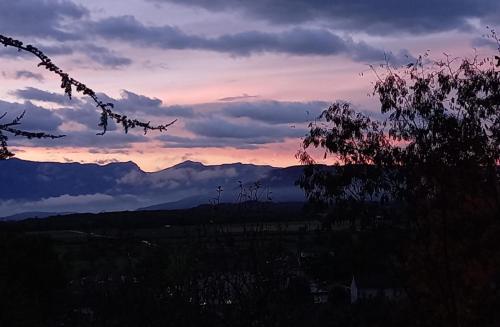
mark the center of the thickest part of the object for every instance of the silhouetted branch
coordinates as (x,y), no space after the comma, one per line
(4,152)
(67,83)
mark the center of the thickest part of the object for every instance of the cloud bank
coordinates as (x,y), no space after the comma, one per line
(376,17)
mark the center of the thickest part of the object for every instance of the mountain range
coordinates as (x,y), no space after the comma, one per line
(28,187)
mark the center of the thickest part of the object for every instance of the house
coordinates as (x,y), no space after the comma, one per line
(375,286)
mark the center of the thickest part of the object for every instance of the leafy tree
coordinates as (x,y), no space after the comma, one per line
(435,154)
(67,83)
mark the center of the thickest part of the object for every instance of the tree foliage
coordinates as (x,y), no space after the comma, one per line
(436,155)
(67,83)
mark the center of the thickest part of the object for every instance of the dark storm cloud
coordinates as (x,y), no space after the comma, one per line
(32,93)
(296,41)
(238,124)
(83,111)
(99,56)
(221,128)
(49,50)
(39,18)
(111,140)
(35,119)
(47,19)
(276,112)
(60,20)
(246,125)
(371,16)
(75,110)
(104,56)
(172,141)
(220,133)
(86,115)
(133,103)
(40,119)
(56,50)
(179,111)
(26,74)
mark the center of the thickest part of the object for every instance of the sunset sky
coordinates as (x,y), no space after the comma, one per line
(243,78)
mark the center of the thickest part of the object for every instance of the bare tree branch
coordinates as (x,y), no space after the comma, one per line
(67,83)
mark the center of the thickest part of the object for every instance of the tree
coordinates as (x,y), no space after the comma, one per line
(67,83)
(436,155)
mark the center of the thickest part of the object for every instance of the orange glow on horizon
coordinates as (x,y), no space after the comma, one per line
(150,158)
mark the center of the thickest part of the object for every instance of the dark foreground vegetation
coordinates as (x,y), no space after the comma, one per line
(267,267)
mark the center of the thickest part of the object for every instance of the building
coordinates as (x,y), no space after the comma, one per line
(375,286)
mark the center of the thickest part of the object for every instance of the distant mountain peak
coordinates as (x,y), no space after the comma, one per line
(129,164)
(189,164)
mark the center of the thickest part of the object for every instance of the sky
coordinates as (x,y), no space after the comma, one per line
(243,78)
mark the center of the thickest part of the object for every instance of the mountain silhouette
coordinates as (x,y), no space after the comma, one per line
(75,187)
